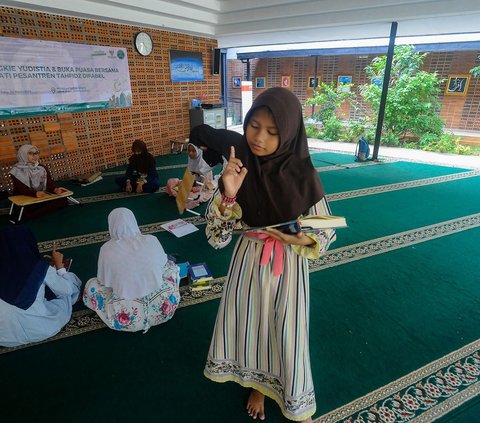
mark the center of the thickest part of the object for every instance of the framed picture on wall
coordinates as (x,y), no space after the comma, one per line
(313,82)
(457,84)
(260,82)
(344,83)
(186,66)
(285,81)
(236,82)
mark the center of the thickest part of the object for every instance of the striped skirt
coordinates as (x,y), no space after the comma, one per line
(260,338)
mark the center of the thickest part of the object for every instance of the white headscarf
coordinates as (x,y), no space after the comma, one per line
(198,165)
(130,263)
(30,174)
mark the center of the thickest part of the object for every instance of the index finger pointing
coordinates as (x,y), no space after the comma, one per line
(54,246)
(232,152)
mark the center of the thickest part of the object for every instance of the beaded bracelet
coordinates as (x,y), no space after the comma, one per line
(228,202)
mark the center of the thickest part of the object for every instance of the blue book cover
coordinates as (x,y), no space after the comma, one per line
(199,273)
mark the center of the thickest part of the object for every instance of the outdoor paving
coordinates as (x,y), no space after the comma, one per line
(457,160)
(446,159)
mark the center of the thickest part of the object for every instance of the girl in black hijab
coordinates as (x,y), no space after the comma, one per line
(261,333)
(141,174)
(215,143)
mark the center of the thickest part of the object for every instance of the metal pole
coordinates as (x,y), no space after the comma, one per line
(386,81)
(316,81)
(249,72)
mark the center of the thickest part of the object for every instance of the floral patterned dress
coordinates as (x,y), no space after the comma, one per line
(138,314)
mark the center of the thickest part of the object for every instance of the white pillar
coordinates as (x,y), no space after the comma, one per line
(247,96)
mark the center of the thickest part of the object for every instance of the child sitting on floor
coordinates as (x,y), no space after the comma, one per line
(203,186)
(141,174)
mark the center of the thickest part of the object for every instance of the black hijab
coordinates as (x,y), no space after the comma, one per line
(141,162)
(282,186)
(217,141)
(22,267)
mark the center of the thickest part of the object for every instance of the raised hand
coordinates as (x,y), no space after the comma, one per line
(233,175)
(57,257)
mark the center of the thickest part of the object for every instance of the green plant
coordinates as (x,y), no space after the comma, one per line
(354,129)
(427,139)
(474,150)
(475,71)
(312,131)
(327,101)
(412,103)
(445,143)
(332,128)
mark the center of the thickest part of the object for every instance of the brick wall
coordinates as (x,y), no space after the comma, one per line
(160,111)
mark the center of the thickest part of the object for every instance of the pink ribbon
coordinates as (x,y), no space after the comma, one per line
(270,244)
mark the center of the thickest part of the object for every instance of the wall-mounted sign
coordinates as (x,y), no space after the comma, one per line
(457,84)
(344,82)
(40,77)
(313,82)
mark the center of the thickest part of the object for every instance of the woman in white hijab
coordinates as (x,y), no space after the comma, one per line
(136,285)
(31,178)
(196,163)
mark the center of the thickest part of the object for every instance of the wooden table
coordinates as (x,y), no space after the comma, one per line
(26,200)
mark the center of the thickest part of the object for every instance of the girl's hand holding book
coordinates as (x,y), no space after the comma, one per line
(292,239)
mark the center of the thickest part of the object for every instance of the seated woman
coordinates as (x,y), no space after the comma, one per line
(31,178)
(26,315)
(203,186)
(141,174)
(136,285)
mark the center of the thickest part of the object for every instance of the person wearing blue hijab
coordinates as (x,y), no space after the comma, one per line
(26,315)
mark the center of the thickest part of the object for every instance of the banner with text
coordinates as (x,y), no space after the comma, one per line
(39,77)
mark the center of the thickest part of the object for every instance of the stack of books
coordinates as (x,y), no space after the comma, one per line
(199,277)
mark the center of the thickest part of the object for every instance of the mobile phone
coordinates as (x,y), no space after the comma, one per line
(290,228)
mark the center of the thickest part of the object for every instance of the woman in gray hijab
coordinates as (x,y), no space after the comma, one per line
(31,178)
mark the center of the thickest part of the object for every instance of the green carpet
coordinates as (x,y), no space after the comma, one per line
(382,317)
(396,294)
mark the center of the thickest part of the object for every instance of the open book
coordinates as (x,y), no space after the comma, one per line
(179,227)
(322,222)
(308,224)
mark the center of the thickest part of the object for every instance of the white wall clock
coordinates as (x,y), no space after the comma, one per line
(143,43)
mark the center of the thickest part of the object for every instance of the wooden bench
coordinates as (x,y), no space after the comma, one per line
(177,146)
(23,201)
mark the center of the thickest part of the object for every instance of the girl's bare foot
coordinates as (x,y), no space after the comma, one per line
(255,405)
